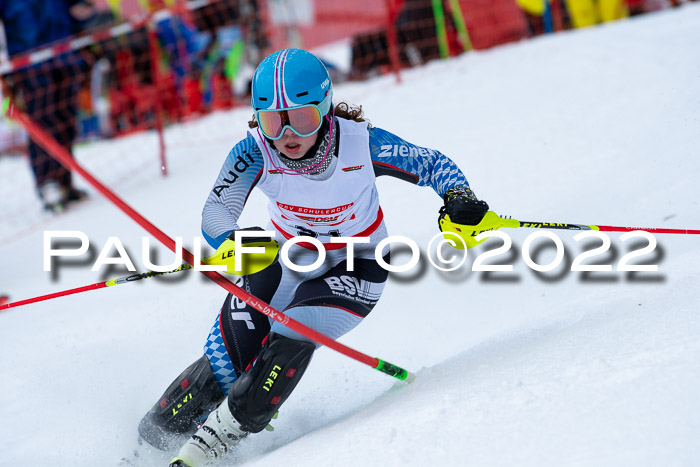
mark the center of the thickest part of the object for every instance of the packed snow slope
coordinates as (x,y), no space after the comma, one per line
(596,126)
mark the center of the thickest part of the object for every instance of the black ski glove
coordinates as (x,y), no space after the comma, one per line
(232,236)
(462,206)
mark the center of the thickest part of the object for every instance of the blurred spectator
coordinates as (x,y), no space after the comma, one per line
(636,7)
(177,39)
(487,23)
(48,89)
(534,11)
(231,38)
(585,13)
(416,40)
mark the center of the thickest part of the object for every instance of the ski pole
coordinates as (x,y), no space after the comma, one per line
(97,285)
(61,154)
(493,221)
(602,228)
(224,256)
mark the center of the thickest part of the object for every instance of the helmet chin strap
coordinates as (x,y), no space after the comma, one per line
(308,169)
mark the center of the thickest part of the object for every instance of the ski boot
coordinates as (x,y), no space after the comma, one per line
(52,196)
(73,194)
(213,439)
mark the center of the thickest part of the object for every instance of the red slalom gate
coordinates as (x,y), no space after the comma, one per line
(63,156)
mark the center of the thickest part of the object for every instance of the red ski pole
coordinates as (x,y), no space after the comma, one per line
(58,152)
(493,221)
(85,288)
(602,228)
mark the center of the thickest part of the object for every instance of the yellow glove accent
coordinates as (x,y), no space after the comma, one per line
(491,221)
(251,262)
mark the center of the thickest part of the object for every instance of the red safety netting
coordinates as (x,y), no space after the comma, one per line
(152,63)
(151,69)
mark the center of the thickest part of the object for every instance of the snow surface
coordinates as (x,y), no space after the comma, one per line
(591,126)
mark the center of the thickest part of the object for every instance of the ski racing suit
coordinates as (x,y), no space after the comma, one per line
(342,201)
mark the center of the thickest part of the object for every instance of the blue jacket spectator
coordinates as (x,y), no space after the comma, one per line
(33,23)
(48,90)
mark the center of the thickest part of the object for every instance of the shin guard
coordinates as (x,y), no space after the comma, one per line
(259,392)
(192,395)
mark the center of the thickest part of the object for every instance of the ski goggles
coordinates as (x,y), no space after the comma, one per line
(304,121)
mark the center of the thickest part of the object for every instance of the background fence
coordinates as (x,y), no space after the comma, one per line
(144,64)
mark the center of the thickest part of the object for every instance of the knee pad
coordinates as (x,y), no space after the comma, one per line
(259,392)
(192,395)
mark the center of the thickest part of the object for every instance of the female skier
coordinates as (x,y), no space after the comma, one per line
(317,164)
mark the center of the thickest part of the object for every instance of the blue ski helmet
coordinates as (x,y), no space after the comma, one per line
(290,78)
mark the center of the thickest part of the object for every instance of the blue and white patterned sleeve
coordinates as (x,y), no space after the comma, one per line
(240,173)
(398,158)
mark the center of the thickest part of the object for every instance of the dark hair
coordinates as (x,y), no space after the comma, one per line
(342,110)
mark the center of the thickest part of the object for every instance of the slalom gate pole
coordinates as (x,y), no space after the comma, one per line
(461,25)
(61,154)
(98,285)
(440,32)
(154,57)
(392,42)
